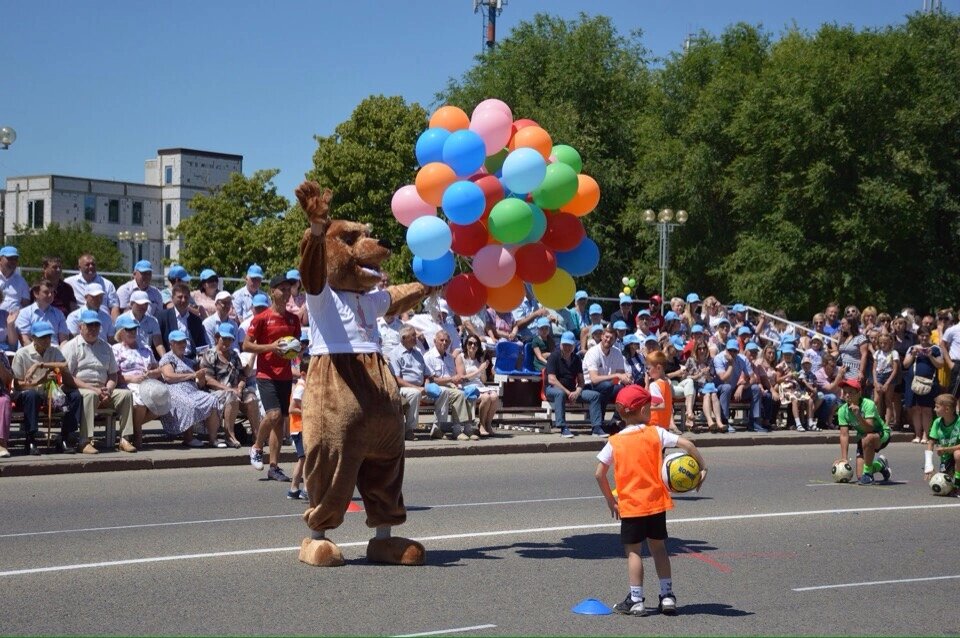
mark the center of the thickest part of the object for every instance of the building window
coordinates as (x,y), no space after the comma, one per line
(166,251)
(168,214)
(35,213)
(139,252)
(136,217)
(113,213)
(167,174)
(90,208)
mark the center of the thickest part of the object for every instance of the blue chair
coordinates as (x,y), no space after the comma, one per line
(528,358)
(508,356)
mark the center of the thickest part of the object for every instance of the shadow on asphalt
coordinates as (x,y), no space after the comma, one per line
(711,609)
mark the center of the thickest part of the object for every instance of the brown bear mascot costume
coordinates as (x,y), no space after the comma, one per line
(352,427)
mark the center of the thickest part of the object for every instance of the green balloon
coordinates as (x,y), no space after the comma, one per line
(569,156)
(557,188)
(511,220)
(495,162)
(633,282)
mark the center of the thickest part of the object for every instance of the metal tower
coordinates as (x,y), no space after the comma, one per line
(489,10)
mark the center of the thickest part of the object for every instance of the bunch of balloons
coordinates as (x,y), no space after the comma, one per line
(629,285)
(512,202)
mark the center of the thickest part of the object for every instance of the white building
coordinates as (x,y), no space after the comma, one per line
(160,203)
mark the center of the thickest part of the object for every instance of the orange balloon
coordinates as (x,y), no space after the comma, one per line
(432,180)
(586,199)
(451,118)
(506,298)
(533,137)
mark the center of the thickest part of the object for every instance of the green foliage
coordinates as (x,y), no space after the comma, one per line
(68,243)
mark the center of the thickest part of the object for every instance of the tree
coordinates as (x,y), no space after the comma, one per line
(68,243)
(365,161)
(244,221)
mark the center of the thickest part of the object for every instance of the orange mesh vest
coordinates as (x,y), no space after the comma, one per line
(637,457)
(663,417)
(296,420)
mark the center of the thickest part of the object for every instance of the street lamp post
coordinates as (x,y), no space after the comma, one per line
(135,239)
(665,222)
(7,137)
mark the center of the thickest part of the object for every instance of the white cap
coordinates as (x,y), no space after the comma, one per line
(138,296)
(94,289)
(223,294)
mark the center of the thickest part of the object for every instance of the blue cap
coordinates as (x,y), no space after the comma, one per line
(9,251)
(260,300)
(650,338)
(739,307)
(568,339)
(752,345)
(127,323)
(542,322)
(433,390)
(226,330)
(166,295)
(631,339)
(595,327)
(41,329)
(178,272)
(743,330)
(255,271)
(619,325)
(788,339)
(304,334)
(293,275)
(733,344)
(208,273)
(709,388)
(677,342)
(671,316)
(595,309)
(625,299)
(177,335)
(693,298)
(143,265)
(696,329)
(89,316)
(723,320)
(787,348)
(643,313)
(581,294)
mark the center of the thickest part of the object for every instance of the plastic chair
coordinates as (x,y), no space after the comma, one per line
(528,359)
(508,355)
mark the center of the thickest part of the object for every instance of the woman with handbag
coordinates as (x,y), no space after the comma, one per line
(921,364)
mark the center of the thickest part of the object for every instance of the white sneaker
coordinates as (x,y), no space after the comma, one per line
(800,428)
(256,458)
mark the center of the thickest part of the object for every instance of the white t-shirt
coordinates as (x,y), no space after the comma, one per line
(884,360)
(951,336)
(667,439)
(602,364)
(343,321)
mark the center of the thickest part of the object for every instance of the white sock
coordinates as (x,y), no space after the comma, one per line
(383,532)
(636,593)
(666,586)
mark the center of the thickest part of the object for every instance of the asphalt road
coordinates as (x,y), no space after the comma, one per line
(513,543)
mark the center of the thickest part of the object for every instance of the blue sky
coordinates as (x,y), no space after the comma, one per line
(95,88)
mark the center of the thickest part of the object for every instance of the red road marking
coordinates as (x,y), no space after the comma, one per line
(726,569)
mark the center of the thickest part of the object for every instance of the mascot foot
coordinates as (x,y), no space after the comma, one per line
(395,551)
(321,553)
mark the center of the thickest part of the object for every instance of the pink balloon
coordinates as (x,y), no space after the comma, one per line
(494,128)
(493,104)
(494,266)
(407,205)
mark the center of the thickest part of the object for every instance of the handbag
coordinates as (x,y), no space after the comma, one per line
(920,386)
(56,396)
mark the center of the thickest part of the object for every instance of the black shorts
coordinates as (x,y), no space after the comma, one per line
(275,395)
(883,444)
(634,530)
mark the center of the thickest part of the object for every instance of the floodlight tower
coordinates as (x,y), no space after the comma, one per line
(489,10)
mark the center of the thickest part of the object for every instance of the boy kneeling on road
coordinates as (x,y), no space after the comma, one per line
(872,433)
(944,440)
(642,501)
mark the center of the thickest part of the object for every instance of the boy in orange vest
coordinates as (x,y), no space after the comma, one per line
(642,500)
(296,431)
(661,393)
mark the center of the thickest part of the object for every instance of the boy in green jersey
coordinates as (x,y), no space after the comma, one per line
(944,440)
(872,433)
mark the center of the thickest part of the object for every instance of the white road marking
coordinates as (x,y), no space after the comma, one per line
(298,515)
(445,631)
(877,582)
(444,537)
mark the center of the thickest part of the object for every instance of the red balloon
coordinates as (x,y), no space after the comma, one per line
(492,191)
(564,232)
(535,263)
(465,294)
(519,124)
(469,238)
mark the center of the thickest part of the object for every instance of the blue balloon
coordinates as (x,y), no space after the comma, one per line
(430,145)
(463,202)
(580,261)
(539,225)
(464,152)
(429,237)
(434,272)
(523,170)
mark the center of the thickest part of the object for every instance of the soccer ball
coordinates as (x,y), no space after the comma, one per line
(289,347)
(842,472)
(680,472)
(941,484)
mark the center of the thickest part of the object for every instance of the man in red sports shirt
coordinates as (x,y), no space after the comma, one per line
(274,374)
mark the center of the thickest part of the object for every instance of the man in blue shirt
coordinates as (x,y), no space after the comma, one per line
(733,373)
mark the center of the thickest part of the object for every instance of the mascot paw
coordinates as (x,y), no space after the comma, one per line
(321,553)
(395,551)
(314,202)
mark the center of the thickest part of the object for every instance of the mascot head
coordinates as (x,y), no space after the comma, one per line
(354,256)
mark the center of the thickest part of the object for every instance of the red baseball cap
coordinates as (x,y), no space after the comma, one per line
(633,397)
(851,383)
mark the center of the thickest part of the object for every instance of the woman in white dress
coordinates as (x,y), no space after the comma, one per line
(136,363)
(473,368)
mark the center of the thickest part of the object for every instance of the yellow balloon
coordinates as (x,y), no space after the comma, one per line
(626,290)
(556,292)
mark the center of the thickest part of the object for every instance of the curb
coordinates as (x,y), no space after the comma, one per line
(542,444)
